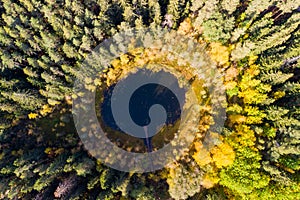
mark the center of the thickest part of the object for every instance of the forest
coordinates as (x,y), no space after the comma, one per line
(253,44)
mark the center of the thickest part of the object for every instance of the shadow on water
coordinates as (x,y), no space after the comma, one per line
(140,102)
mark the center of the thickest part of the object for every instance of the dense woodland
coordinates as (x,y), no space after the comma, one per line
(255,45)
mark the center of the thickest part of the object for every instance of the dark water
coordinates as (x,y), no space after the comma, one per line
(139,105)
